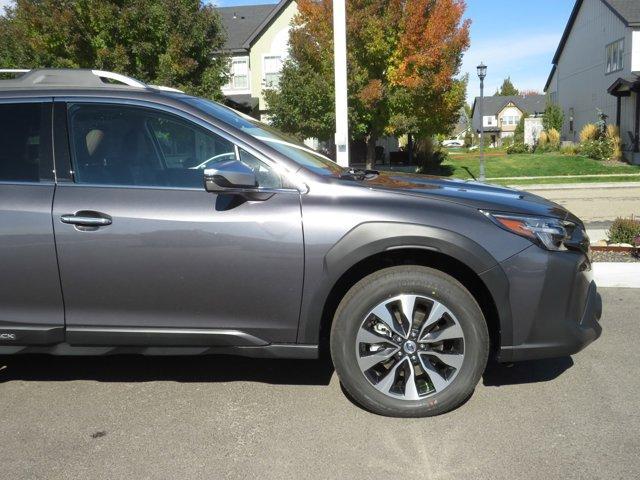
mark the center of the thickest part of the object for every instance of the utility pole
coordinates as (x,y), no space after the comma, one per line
(340,68)
(482,73)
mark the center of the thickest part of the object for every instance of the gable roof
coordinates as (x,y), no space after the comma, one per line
(531,104)
(245,24)
(240,22)
(628,11)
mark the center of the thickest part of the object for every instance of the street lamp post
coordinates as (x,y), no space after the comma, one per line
(482,73)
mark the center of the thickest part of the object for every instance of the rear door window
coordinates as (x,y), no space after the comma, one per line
(25,146)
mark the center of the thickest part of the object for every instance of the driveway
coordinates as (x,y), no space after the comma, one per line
(216,417)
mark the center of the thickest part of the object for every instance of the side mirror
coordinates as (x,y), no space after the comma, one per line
(228,177)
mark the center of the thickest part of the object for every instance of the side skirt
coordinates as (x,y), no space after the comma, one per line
(293,351)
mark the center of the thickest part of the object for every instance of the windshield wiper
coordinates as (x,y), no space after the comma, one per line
(359,174)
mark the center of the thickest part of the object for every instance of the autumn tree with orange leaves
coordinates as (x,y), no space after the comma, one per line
(403,60)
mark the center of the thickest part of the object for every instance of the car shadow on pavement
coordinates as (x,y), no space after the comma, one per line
(533,371)
(224,368)
(137,368)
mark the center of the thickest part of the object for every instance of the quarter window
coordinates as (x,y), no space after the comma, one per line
(25,154)
(122,145)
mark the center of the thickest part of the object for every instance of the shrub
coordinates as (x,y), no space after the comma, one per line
(589,132)
(613,133)
(430,162)
(570,149)
(518,147)
(543,140)
(597,149)
(554,138)
(553,117)
(624,230)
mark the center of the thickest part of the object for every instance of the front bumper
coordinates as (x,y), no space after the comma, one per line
(554,302)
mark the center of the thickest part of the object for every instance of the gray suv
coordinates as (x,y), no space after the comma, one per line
(139,219)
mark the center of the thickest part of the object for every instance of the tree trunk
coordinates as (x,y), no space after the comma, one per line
(410,147)
(371,152)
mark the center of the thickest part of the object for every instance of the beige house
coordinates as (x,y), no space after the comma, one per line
(501,115)
(258,44)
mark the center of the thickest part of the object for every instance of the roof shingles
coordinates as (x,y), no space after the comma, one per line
(240,22)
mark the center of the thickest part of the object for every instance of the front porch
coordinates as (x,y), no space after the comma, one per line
(627,93)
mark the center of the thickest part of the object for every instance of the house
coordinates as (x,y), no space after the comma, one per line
(596,67)
(461,128)
(501,114)
(257,44)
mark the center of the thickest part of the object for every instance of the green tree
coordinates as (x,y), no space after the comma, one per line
(553,117)
(518,134)
(403,58)
(507,88)
(167,42)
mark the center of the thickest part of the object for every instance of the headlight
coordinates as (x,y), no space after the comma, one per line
(549,233)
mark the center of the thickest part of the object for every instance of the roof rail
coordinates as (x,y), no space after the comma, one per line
(165,89)
(131,82)
(53,77)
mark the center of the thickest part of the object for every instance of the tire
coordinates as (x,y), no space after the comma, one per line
(446,387)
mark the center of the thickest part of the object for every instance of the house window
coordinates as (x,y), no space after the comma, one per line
(510,120)
(240,73)
(615,56)
(489,120)
(272,70)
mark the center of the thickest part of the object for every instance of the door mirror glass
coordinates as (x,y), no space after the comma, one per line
(229,176)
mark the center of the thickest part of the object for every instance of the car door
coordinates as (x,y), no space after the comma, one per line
(31,310)
(148,257)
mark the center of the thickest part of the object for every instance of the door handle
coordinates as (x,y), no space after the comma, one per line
(87,219)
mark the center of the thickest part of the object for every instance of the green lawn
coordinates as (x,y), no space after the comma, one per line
(500,165)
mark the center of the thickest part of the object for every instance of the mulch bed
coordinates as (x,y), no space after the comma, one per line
(608,256)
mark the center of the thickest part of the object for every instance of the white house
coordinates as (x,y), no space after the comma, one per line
(596,68)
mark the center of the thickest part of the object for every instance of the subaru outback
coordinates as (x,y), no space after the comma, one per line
(139,219)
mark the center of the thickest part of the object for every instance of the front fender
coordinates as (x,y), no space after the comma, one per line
(372,238)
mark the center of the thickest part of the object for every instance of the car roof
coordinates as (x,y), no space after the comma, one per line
(74,80)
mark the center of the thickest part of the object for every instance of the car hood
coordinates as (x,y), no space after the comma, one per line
(470,193)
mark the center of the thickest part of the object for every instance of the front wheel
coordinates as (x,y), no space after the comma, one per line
(409,341)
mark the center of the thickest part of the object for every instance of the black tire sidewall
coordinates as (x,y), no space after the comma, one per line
(391,282)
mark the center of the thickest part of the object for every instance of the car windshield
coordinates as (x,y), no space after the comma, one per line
(296,151)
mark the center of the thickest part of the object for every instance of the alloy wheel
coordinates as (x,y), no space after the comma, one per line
(410,347)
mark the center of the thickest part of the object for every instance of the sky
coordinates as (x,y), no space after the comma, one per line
(514,38)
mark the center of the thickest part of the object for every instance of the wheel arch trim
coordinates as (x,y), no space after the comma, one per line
(369,239)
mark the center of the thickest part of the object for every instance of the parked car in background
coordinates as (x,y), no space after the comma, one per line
(140,220)
(454,143)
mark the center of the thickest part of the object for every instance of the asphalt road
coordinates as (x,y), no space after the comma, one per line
(596,204)
(219,417)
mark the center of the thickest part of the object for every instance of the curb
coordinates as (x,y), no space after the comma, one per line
(616,275)
(576,186)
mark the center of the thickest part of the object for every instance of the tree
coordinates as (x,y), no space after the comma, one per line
(402,59)
(507,88)
(518,134)
(553,117)
(167,42)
